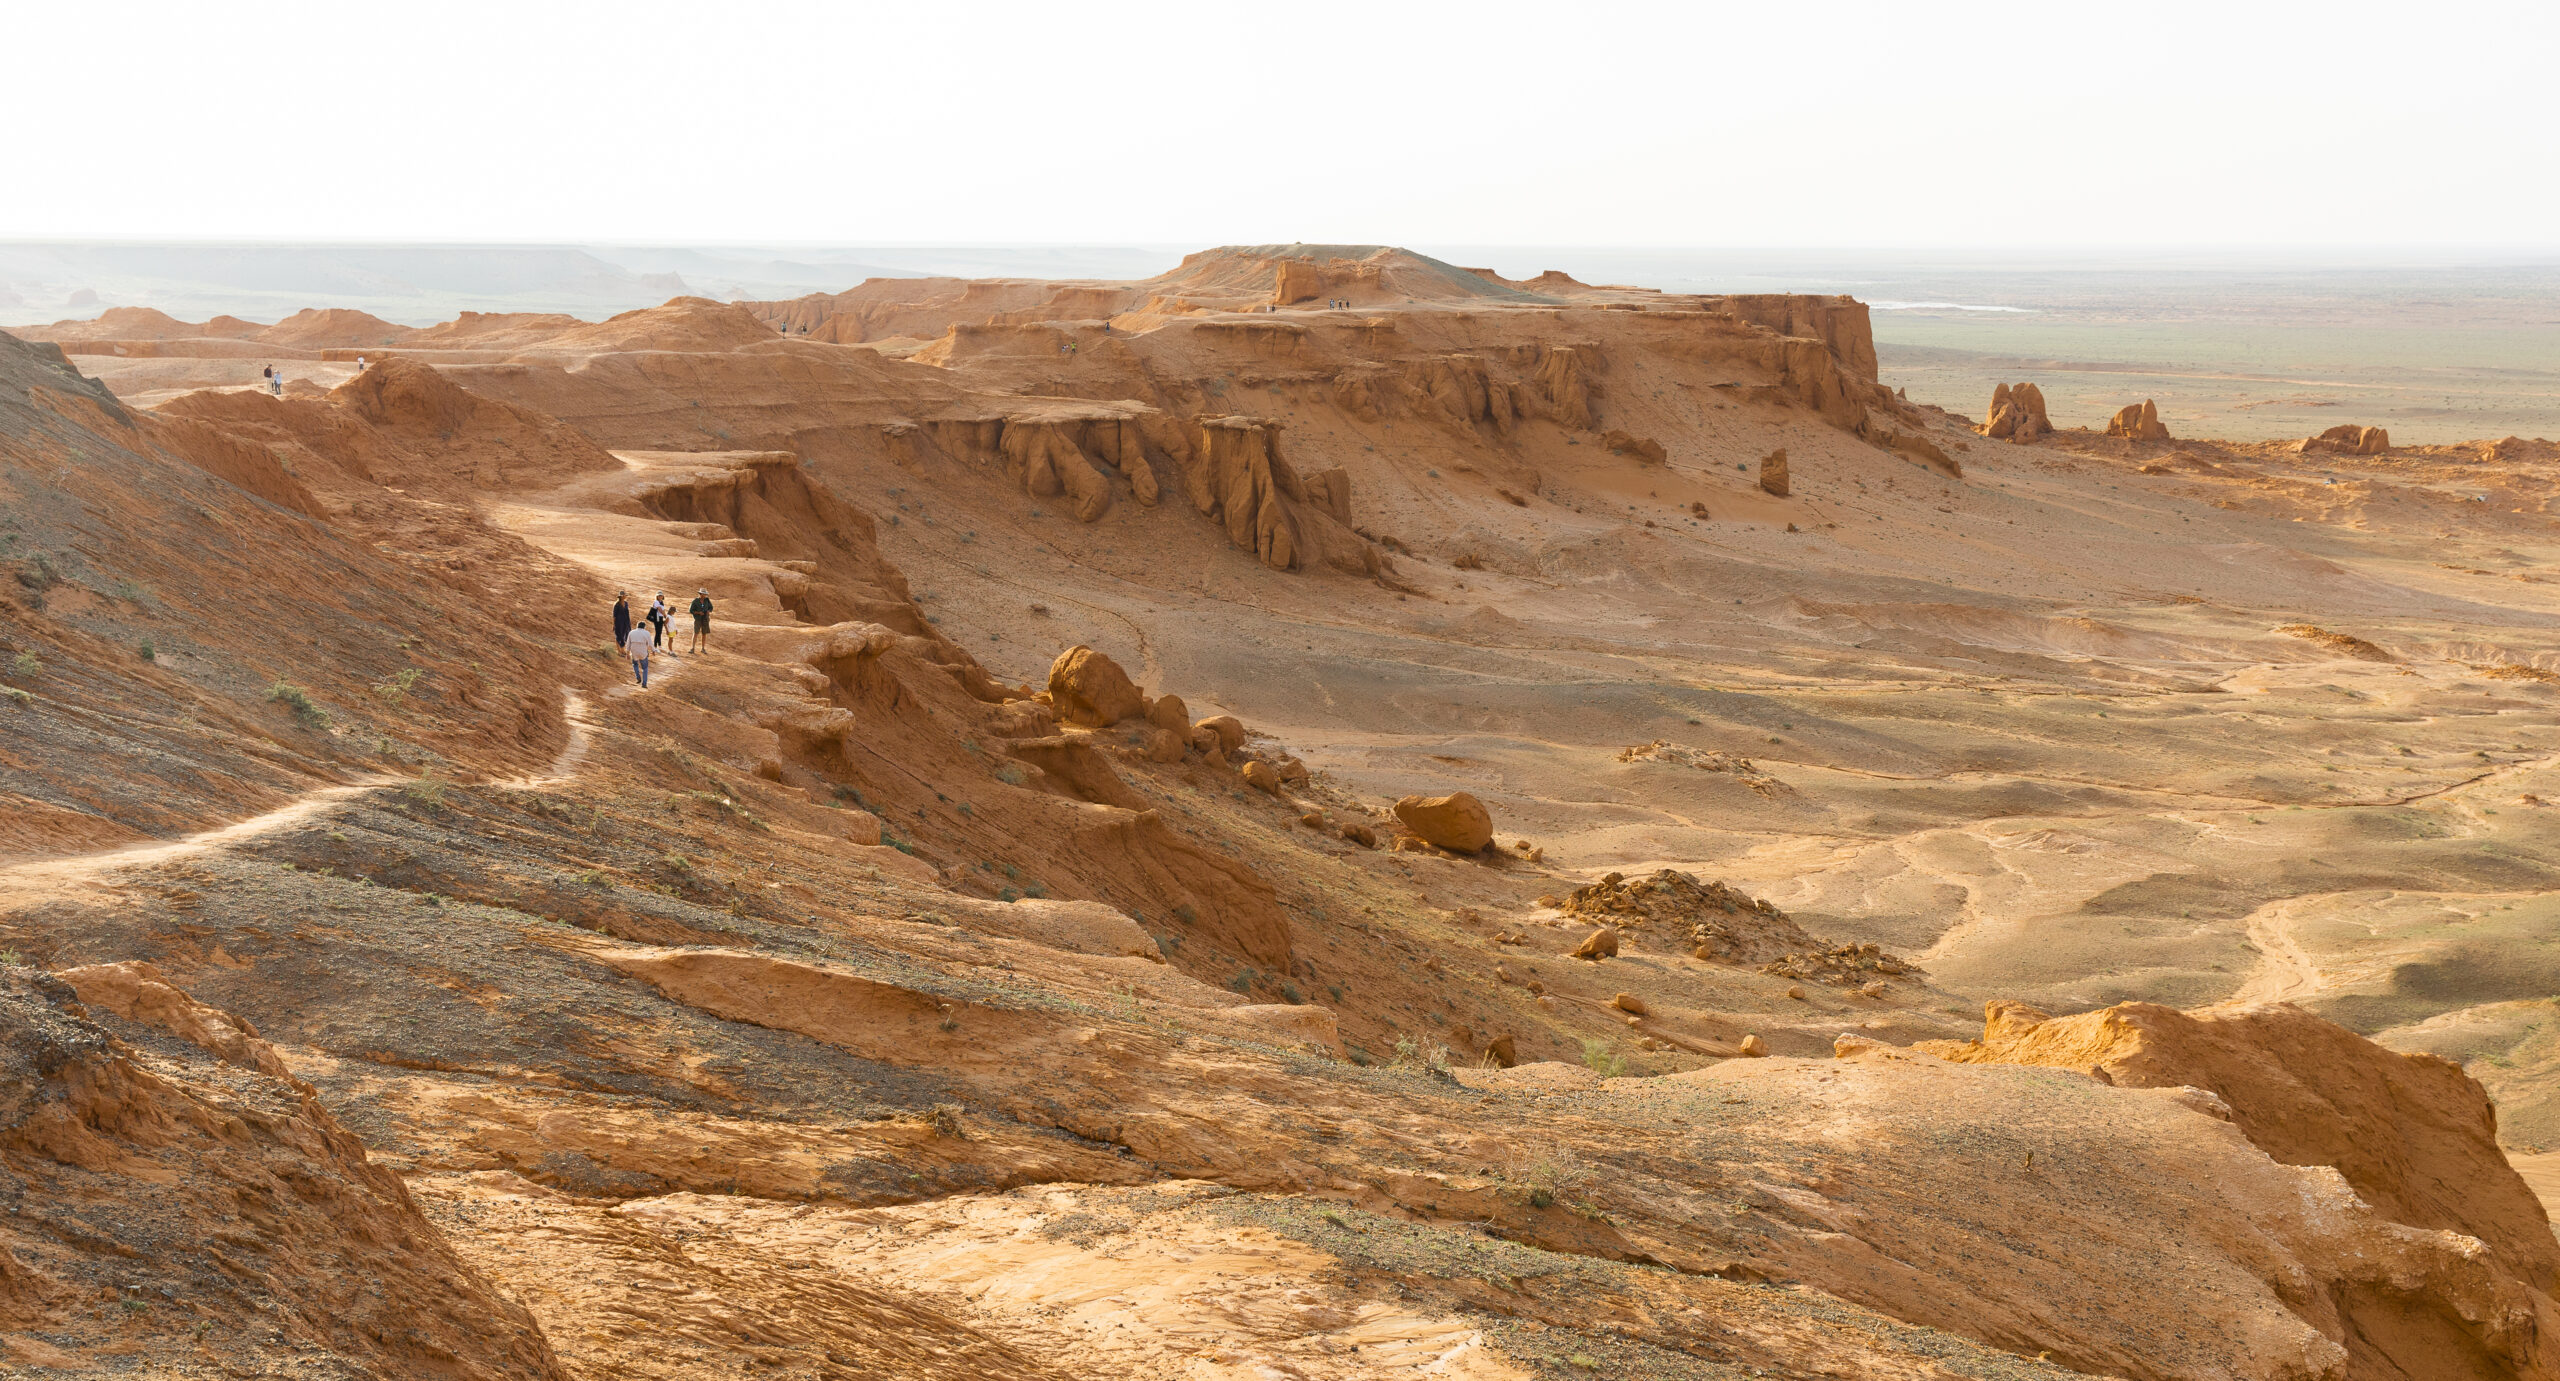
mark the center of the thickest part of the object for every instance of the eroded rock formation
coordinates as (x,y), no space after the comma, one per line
(2017,414)
(2138,422)
(2348,439)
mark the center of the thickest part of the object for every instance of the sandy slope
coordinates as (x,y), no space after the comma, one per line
(833,996)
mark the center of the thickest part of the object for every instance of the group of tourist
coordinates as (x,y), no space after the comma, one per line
(640,638)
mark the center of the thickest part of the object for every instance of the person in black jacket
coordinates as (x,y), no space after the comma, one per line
(621,618)
(701,611)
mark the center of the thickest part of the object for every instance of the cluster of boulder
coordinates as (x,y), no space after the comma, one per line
(1717,921)
(1088,689)
(2017,414)
(1721,923)
(1841,966)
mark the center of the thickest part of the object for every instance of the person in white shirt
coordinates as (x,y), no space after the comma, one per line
(639,645)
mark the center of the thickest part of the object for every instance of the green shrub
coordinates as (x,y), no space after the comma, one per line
(149,653)
(395,687)
(306,711)
(25,665)
(1597,1056)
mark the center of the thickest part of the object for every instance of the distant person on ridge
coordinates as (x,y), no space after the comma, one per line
(621,617)
(701,611)
(638,647)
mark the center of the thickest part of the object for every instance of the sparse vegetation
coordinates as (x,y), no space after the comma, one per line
(396,687)
(25,666)
(427,790)
(306,712)
(1601,1060)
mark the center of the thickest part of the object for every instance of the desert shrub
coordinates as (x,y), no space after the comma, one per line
(149,653)
(427,790)
(306,711)
(1427,1054)
(395,687)
(25,665)
(1601,1060)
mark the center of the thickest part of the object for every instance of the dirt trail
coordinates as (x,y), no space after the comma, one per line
(29,882)
(2284,972)
(23,882)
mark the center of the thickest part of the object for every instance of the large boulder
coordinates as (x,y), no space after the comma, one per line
(1457,821)
(1224,730)
(1773,472)
(1088,688)
(2138,422)
(2017,414)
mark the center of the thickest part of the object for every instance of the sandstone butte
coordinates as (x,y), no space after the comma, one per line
(1140,885)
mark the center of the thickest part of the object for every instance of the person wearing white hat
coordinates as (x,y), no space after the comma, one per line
(701,611)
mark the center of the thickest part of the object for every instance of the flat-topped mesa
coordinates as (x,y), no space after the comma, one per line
(2017,414)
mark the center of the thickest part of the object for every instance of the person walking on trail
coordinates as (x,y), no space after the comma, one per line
(638,646)
(658,618)
(621,617)
(701,611)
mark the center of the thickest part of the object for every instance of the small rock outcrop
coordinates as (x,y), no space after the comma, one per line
(2347,440)
(2017,414)
(2138,422)
(1457,821)
(1773,472)
(1643,448)
(2413,1134)
(1088,688)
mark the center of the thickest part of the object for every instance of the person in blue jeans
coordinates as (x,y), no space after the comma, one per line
(639,645)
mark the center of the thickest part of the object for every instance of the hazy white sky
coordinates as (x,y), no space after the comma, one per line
(1763,124)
